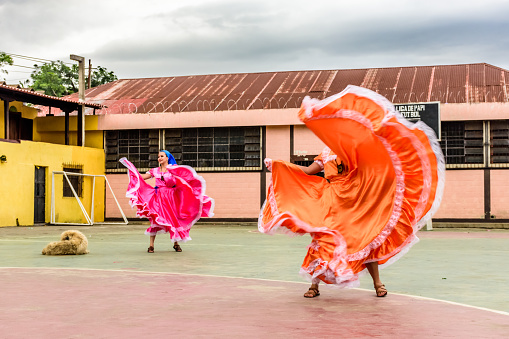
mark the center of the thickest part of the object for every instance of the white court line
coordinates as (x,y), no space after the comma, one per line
(39,239)
(256,279)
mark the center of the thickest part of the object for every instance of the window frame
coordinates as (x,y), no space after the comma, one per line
(474,144)
(76,181)
(248,144)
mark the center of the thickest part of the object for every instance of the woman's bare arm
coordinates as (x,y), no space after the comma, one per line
(311,169)
(146,176)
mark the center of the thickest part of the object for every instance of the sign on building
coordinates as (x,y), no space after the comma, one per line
(427,112)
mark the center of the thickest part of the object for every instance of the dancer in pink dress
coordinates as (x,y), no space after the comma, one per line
(174,205)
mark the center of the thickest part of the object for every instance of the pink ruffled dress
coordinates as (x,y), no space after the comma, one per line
(174,205)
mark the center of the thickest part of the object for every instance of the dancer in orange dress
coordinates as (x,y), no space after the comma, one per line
(384,178)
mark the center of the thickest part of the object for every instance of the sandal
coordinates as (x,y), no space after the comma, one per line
(150,249)
(177,248)
(381,291)
(312,293)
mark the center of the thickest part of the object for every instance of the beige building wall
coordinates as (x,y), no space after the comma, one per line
(463,195)
(500,194)
(118,183)
(236,195)
(278,143)
(239,195)
(306,142)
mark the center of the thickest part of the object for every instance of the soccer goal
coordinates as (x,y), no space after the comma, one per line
(89,217)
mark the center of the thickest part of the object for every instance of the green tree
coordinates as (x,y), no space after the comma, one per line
(102,76)
(50,79)
(58,79)
(4,60)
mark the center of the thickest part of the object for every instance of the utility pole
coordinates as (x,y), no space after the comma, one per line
(81,92)
(89,73)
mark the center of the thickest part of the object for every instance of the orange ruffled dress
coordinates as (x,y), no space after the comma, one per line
(384,179)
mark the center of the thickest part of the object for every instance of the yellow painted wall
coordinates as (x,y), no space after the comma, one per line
(17,181)
(26,112)
(51,129)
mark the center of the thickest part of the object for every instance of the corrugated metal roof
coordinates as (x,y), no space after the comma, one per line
(469,83)
(36,97)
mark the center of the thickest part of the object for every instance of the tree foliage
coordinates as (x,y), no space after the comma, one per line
(58,79)
(102,76)
(52,78)
(5,60)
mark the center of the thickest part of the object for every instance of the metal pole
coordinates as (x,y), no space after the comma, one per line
(93,199)
(77,198)
(52,198)
(89,73)
(81,92)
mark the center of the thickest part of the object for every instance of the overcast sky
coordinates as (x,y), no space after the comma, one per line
(152,38)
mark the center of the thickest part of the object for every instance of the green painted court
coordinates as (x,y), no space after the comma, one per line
(231,281)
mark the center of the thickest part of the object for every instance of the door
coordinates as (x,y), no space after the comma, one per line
(40,195)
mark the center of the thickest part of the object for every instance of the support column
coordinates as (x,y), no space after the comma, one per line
(81,126)
(66,132)
(263,173)
(81,92)
(487,194)
(6,119)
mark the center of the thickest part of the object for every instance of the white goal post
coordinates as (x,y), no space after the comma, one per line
(89,218)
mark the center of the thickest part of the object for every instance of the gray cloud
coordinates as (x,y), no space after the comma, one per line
(235,37)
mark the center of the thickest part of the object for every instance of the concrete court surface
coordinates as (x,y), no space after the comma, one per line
(231,281)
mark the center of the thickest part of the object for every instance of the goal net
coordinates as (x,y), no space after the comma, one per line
(86,185)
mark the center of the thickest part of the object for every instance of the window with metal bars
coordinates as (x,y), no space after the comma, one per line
(139,146)
(216,148)
(462,142)
(76,181)
(499,142)
(205,149)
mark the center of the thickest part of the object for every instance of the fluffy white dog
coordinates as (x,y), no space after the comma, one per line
(71,242)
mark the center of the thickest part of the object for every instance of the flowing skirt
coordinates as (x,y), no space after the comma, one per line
(172,210)
(393,186)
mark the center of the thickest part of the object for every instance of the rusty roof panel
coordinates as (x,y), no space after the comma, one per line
(476,83)
(440,81)
(403,90)
(385,81)
(344,78)
(296,86)
(268,92)
(457,84)
(237,86)
(422,85)
(448,84)
(322,84)
(494,85)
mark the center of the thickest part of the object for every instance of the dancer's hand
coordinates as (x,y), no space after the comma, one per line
(268,163)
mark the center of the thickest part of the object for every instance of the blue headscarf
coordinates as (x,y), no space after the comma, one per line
(171,159)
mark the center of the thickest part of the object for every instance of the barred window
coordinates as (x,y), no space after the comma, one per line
(462,142)
(205,149)
(138,146)
(499,141)
(216,148)
(76,180)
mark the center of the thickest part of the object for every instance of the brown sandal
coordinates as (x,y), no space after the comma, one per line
(177,248)
(150,249)
(381,291)
(312,293)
